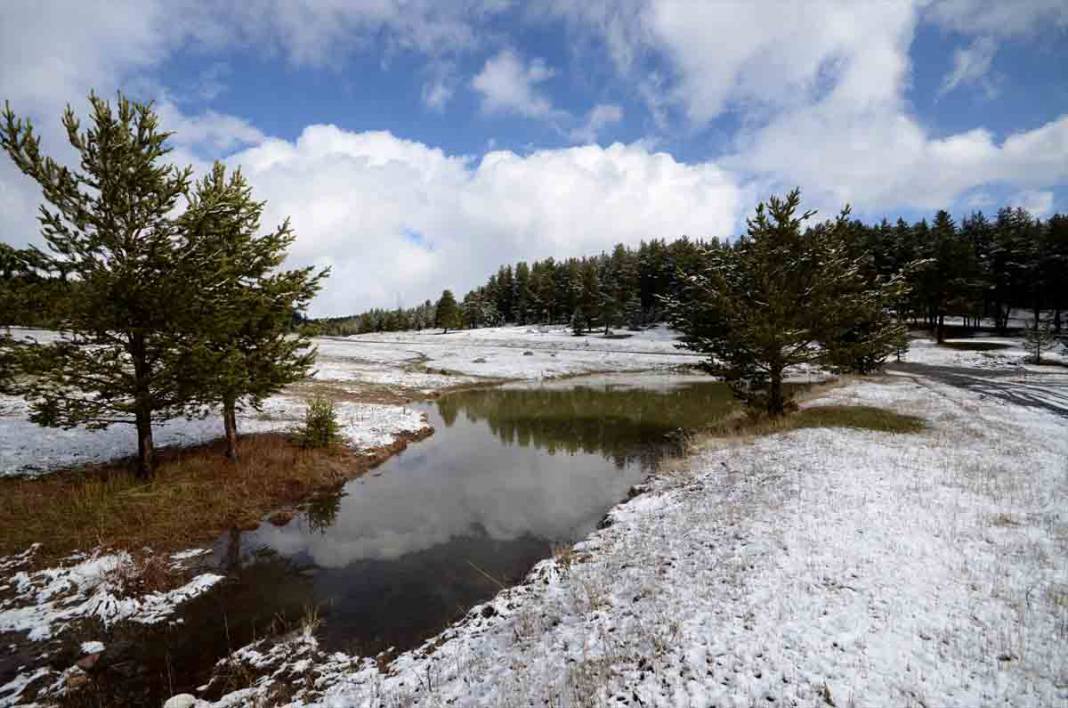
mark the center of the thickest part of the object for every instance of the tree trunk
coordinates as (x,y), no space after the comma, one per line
(776,402)
(230,425)
(146,451)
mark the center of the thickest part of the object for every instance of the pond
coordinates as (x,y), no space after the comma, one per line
(398,554)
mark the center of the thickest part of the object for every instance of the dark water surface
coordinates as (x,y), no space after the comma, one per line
(401,552)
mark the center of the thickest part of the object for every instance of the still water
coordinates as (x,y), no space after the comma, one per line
(509,473)
(399,553)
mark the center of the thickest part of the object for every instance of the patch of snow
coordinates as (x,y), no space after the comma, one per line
(26,448)
(92,647)
(43,602)
(11,692)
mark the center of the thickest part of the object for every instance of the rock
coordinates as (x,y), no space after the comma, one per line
(182,700)
(488,611)
(87,662)
(480,360)
(281,517)
(76,680)
(528,353)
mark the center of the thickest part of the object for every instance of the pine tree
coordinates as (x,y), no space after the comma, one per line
(589,298)
(447,315)
(240,344)
(782,296)
(110,224)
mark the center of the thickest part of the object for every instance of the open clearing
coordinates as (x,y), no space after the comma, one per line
(813,566)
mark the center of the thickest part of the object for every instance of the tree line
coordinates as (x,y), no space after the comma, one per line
(169,300)
(979,270)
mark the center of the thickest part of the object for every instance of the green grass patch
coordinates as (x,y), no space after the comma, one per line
(859,417)
(864,417)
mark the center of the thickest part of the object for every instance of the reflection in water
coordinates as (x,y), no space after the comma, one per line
(399,553)
(621,423)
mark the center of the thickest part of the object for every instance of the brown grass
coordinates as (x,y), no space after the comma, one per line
(196,495)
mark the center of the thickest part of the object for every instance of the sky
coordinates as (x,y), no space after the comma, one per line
(419,144)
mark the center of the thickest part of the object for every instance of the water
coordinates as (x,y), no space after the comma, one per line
(398,554)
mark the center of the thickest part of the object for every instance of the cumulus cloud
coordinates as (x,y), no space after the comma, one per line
(821,89)
(356,199)
(507,84)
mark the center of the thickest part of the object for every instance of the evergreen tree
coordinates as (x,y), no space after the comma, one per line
(111,225)
(240,345)
(447,315)
(783,296)
(589,298)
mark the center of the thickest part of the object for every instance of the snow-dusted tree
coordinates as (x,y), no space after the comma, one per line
(447,312)
(1039,337)
(240,339)
(782,296)
(110,224)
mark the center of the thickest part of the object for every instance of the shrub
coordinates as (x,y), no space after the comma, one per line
(320,424)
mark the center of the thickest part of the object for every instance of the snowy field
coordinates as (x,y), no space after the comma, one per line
(1006,353)
(405,358)
(28,449)
(820,566)
(810,567)
(404,365)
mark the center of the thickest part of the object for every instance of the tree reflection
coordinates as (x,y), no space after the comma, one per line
(622,424)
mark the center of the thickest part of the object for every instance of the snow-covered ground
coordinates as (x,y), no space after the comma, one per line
(42,603)
(515,352)
(27,449)
(820,566)
(1007,353)
(817,566)
(407,364)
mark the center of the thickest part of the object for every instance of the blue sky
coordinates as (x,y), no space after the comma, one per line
(418,144)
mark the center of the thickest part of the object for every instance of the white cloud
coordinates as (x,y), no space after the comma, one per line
(971,65)
(819,88)
(1039,203)
(997,17)
(357,198)
(599,117)
(509,85)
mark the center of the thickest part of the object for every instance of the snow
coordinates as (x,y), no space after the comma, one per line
(1013,355)
(92,647)
(408,363)
(502,352)
(27,449)
(860,567)
(43,602)
(11,691)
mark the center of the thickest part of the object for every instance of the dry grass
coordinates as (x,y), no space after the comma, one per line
(196,495)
